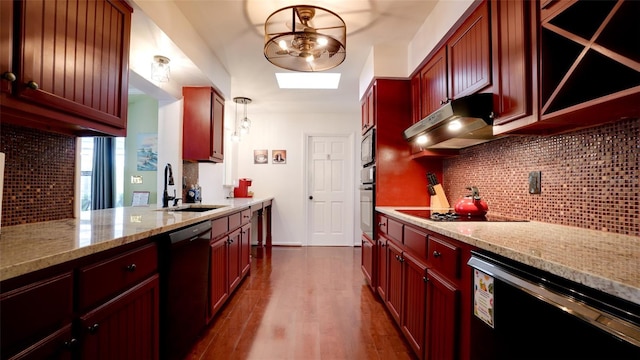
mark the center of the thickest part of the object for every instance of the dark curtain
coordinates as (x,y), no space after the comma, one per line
(103,174)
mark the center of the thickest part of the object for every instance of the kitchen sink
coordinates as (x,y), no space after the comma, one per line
(195,208)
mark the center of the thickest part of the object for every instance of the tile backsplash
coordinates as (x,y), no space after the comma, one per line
(590,178)
(39,175)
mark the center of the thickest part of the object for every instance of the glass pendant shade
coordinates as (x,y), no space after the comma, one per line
(160,70)
(245,123)
(305,38)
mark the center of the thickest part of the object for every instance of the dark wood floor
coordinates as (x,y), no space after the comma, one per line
(303,303)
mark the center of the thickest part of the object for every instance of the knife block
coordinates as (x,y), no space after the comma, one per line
(439,202)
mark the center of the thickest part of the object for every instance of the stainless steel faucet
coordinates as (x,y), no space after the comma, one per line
(168,180)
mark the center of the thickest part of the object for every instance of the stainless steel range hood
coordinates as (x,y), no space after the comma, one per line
(460,123)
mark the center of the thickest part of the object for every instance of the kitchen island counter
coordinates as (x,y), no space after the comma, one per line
(601,260)
(31,247)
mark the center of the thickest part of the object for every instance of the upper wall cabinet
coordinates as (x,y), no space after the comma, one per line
(588,71)
(203,125)
(65,65)
(462,66)
(368,110)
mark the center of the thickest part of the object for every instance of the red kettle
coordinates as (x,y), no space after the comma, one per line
(471,205)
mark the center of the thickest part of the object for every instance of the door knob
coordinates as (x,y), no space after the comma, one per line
(310,197)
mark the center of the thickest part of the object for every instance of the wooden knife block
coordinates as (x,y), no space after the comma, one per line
(439,202)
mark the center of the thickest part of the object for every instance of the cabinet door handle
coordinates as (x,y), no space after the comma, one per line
(9,76)
(71,343)
(131,267)
(436,254)
(446,100)
(382,224)
(425,279)
(93,328)
(33,85)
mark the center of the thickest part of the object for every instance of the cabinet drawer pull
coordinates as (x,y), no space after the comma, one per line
(131,267)
(9,76)
(436,254)
(93,328)
(382,224)
(33,85)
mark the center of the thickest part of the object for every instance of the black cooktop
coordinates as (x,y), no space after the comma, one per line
(452,216)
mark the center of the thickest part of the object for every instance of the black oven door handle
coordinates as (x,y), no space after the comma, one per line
(612,324)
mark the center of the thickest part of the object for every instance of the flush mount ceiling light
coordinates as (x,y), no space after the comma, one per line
(305,38)
(243,126)
(160,68)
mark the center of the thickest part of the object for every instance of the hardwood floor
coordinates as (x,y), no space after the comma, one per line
(303,303)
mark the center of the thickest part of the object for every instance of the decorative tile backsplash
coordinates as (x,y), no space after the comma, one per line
(38,175)
(590,178)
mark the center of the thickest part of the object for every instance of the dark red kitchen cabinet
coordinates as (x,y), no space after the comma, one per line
(434,83)
(126,327)
(36,318)
(234,259)
(394,290)
(414,301)
(7,72)
(416,113)
(218,278)
(245,249)
(443,307)
(203,125)
(587,72)
(513,68)
(71,65)
(368,109)
(469,54)
(368,260)
(382,267)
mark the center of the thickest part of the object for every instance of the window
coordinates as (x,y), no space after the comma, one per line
(86,168)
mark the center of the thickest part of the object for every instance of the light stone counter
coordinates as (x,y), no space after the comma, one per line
(31,247)
(604,261)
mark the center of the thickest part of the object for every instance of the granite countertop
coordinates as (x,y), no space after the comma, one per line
(601,260)
(31,247)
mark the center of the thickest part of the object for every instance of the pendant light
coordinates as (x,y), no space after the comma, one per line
(160,70)
(305,38)
(245,123)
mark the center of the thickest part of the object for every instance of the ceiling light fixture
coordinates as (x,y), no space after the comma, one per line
(160,68)
(305,38)
(245,123)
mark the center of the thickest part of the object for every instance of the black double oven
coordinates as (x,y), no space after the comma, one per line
(368,184)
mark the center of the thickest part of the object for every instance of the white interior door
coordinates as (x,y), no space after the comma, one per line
(330,197)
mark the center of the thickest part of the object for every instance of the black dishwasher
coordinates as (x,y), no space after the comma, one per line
(520,312)
(184,279)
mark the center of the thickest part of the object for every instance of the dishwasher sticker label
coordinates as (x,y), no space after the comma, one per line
(483,297)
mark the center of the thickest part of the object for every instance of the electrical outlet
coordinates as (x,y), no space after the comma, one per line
(136,179)
(535,184)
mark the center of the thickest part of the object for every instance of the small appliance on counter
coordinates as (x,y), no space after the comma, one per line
(194,194)
(242,190)
(472,204)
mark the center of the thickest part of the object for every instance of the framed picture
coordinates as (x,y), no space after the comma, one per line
(147,149)
(260,156)
(279,156)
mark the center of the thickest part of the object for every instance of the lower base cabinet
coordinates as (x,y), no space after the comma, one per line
(105,306)
(368,261)
(125,327)
(230,258)
(425,286)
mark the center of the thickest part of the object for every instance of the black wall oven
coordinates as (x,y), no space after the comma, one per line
(367,200)
(367,148)
(520,312)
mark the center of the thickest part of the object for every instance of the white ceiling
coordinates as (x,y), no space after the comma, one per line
(234,32)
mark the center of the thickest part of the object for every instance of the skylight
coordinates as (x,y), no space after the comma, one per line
(300,80)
